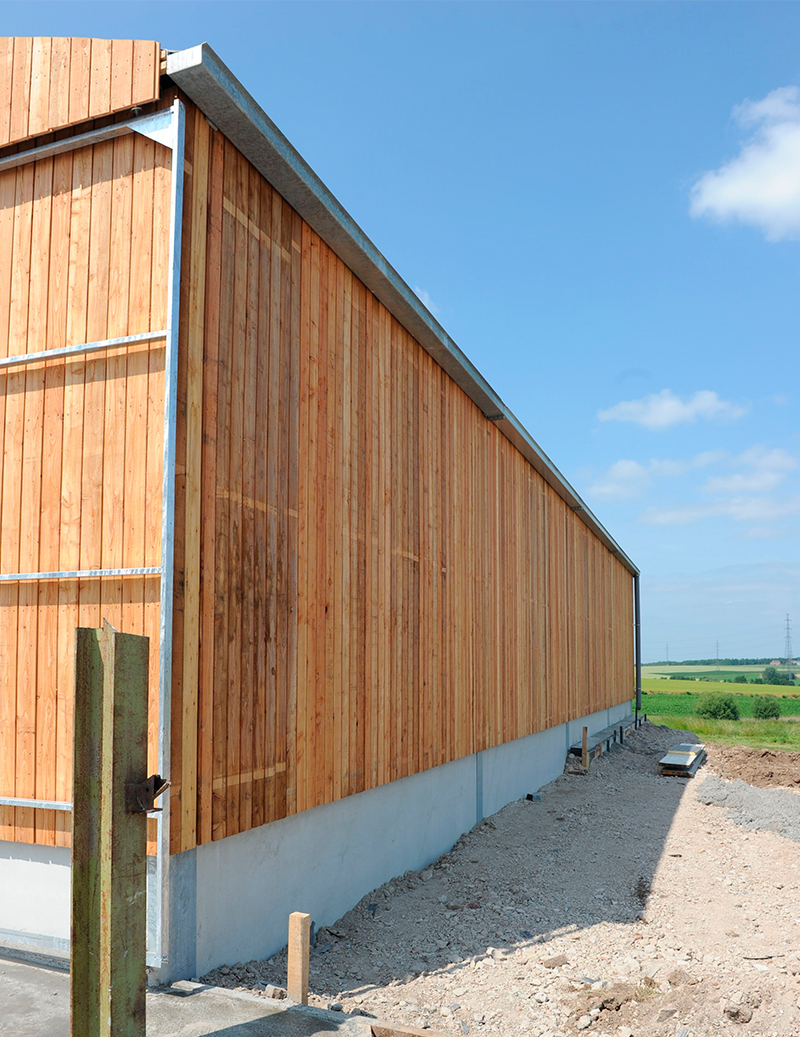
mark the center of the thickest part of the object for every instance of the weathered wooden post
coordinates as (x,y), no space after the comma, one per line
(109,834)
(298,954)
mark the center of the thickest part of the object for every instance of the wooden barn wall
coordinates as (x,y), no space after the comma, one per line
(49,82)
(371,579)
(83,255)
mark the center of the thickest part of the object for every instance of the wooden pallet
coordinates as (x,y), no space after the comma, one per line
(684,760)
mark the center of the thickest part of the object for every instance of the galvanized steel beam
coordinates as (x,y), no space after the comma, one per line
(80,350)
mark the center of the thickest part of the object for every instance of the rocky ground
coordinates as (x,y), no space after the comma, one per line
(621,904)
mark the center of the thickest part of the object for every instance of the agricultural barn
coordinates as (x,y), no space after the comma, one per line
(376,610)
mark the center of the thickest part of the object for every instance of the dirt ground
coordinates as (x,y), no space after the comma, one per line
(762,767)
(618,905)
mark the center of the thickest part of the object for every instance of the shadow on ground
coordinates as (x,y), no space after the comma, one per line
(586,854)
(34,1002)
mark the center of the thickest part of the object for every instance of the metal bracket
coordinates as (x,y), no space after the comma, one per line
(140,796)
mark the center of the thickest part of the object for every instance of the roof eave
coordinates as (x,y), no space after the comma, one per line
(207,81)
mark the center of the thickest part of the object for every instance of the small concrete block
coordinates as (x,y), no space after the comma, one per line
(278,993)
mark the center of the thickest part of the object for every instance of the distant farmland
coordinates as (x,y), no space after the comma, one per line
(679,704)
(661,674)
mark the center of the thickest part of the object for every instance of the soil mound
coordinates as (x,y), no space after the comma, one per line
(762,767)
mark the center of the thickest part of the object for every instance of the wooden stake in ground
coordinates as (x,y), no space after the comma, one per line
(585,748)
(299,948)
(109,870)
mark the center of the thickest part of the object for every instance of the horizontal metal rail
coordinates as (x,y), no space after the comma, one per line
(148,125)
(80,574)
(81,350)
(35,804)
(58,147)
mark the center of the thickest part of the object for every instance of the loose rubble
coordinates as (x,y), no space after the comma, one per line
(618,906)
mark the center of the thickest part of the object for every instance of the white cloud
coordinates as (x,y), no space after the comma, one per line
(764,470)
(664,409)
(744,491)
(740,509)
(623,480)
(626,479)
(761,186)
(425,299)
(769,533)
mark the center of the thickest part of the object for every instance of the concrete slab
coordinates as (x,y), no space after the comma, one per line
(34,1002)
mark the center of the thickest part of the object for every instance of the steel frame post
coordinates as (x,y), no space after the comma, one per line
(168,521)
(637,649)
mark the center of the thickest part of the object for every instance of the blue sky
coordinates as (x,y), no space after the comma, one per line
(601,204)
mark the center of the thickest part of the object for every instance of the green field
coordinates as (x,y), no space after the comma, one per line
(672,702)
(662,687)
(756,734)
(684,705)
(727,673)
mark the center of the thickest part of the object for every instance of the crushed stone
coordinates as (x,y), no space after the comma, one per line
(619,898)
(764,810)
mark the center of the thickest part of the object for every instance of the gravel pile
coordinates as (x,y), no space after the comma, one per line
(618,906)
(765,810)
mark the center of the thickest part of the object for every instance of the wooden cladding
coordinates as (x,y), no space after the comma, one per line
(48,82)
(370,579)
(375,581)
(83,250)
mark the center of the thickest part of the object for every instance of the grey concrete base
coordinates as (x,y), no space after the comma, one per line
(35,904)
(230,900)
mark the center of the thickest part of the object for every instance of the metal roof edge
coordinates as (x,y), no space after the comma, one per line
(210,84)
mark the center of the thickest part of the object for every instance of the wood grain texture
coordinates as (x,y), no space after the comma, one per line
(370,579)
(386,583)
(47,83)
(80,237)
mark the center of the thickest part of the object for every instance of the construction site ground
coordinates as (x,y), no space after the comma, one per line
(622,903)
(34,1002)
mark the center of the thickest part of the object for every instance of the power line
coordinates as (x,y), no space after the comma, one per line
(788,645)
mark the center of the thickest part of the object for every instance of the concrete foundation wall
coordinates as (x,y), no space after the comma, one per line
(230,900)
(35,895)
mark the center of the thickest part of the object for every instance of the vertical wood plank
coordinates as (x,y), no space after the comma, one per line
(8,185)
(59,92)
(39,104)
(227,345)
(50,686)
(120,93)
(100,78)
(192,493)
(79,78)
(30,493)
(210,437)
(6,83)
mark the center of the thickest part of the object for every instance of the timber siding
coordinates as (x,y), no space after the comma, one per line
(386,584)
(371,579)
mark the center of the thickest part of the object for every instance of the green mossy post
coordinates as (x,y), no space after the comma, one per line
(109,873)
